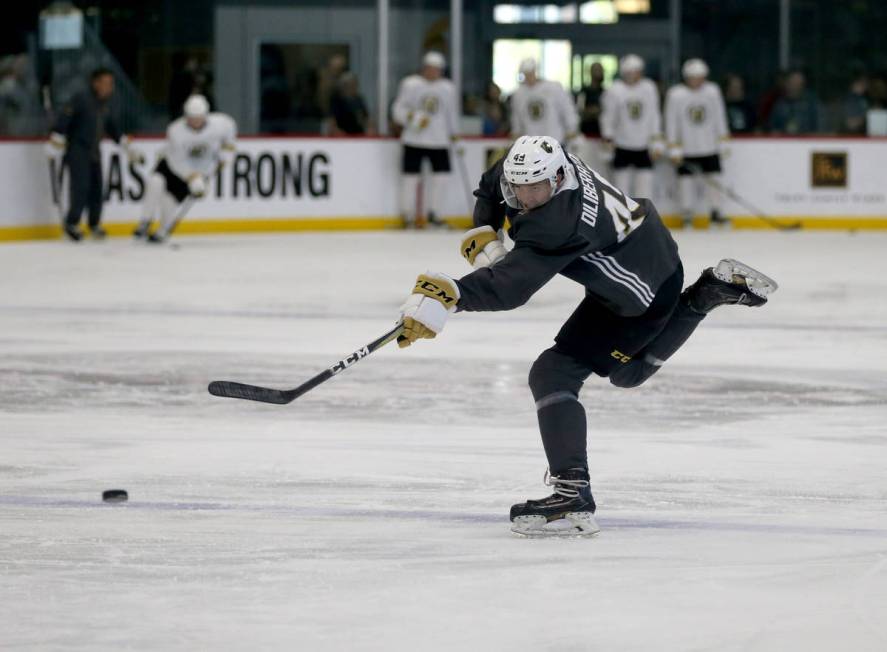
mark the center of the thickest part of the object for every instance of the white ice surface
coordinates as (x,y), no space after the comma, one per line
(741,492)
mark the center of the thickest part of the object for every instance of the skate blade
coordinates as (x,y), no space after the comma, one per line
(574,524)
(758,283)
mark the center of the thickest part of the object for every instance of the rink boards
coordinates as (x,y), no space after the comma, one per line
(289,184)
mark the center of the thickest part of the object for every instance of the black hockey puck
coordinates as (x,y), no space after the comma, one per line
(115,496)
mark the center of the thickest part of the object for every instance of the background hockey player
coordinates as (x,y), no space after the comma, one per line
(697,132)
(78,131)
(427,109)
(540,107)
(196,145)
(632,125)
(567,219)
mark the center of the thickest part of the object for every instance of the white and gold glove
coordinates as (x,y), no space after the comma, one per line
(133,154)
(481,247)
(425,311)
(55,146)
(676,154)
(656,149)
(197,185)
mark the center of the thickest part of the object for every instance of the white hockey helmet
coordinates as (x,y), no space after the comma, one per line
(435,60)
(631,63)
(527,65)
(196,106)
(694,68)
(531,159)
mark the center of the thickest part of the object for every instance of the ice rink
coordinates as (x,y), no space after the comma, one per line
(742,492)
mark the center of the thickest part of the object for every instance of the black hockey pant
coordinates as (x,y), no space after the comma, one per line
(85,188)
(558,374)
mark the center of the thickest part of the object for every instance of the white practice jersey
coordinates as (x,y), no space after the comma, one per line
(427,111)
(695,120)
(190,151)
(630,115)
(543,109)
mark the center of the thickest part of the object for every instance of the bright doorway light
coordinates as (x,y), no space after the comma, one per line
(553,58)
(598,12)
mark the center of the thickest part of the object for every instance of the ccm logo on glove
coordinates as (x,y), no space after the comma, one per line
(427,286)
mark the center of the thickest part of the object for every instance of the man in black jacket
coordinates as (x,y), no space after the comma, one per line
(567,219)
(78,130)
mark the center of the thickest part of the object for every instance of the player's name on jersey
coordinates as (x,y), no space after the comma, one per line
(259,174)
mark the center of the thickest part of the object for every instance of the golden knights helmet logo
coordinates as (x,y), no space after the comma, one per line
(430,104)
(536,109)
(696,113)
(197,151)
(635,109)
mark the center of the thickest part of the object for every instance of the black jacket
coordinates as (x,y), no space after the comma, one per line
(85,121)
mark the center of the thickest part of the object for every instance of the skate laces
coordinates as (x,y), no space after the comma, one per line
(566,487)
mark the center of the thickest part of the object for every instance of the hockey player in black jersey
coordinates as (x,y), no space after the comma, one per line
(567,219)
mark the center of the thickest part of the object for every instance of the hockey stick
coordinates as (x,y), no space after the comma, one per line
(728,192)
(459,153)
(56,168)
(183,209)
(230,389)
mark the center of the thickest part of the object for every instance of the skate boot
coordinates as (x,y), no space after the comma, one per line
(435,222)
(729,282)
(73,233)
(716,219)
(156,238)
(568,512)
(98,233)
(141,230)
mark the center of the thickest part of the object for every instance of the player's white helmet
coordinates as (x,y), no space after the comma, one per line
(530,160)
(527,65)
(694,68)
(434,59)
(196,106)
(631,63)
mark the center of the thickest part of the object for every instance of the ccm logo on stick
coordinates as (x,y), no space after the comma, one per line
(341,365)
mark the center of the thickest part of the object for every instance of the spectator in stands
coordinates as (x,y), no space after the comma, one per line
(877,93)
(328,81)
(855,106)
(349,110)
(20,110)
(495,112)
(740,112)
(770,97)
(589,102)
(797,112)
(189,77)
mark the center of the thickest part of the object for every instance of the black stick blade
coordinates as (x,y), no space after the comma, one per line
(228,389)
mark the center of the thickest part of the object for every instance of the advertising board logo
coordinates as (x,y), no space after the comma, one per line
(828,169)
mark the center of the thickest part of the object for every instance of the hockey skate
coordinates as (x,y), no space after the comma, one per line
(568,512)
(141,231)
(716,219)
(73,233)
(729,282)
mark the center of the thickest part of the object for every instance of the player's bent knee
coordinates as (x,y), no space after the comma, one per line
(547,376)
(632,374)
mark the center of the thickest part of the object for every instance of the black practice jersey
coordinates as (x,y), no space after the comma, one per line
(616,247)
